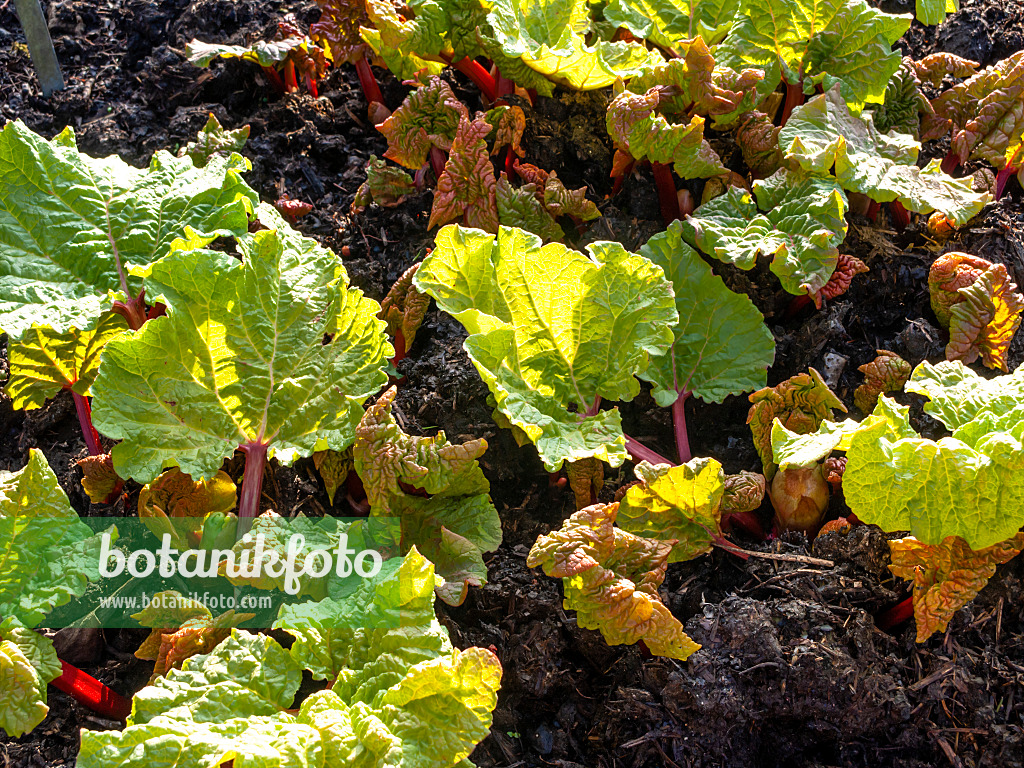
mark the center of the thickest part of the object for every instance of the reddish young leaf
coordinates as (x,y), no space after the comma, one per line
(385,185)
(886,373)
(467,188)
(403,310)
(847,267)
(429,117)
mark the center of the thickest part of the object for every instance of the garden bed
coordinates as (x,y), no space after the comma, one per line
(793,670)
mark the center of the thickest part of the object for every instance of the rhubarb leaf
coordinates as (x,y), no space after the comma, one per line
(47,555)
(611,580)
(176,495)
(520,207)
(385,185)
(823,133)
(802,225)
(403,309)
(681,504)
(214,139)
(333,467)
(638,131)
(985,112)
(946,576)
(968,485)
(551,328)
(933,12)
(402,44)
(886,373)
(947,275)
(403,695)
(241,359)
(549,37)
(99,479)
(44,361)
(28,663)
(337,30)
(722,346)
(671,23)
(466,189)
(71,225)
(429,117)
(844,42)
(456,523)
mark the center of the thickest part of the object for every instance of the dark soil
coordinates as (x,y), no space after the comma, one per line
(793,671)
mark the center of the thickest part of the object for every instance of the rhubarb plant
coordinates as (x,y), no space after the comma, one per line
(214,139)
(672,23)
(824,136)
(979,303)
(720,346)
(886,373)
(801,223)
(399,693)
(47,557)
(437,491)
(611,579)
(553,332)
(73,230)
(273,356)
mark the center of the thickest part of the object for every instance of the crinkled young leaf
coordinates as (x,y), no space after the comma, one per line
(402,44)
(946,576)
(636,129)
(552,328)
(586,479)
(984,322)
(932,12)
(45,361)
(549,37)
(671,23)
(847,268)
(947,275)
(176,495)
(47,555)
(403,695)
(681,503)
(456,523)
(520,207)
(241,359)
(823,133)
(385,185)
(935,66)
(28,663)
(466,189)
(333,467)
(744,492)
(611,580)
(957,395)
(802,226)
(337,30)
(886,373)
(721,346)
(800,403)
(758,138)
(904,103)
(968,485)
(429,117)
(560,201)
(99,479)
(403,310)
(832,42)
(508,124)
(72,225)
(985,112)
(214,139)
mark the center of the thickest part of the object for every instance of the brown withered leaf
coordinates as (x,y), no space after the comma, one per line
(99,479)
(886,373)
(333,467)
(744,492)
(467,189)
(946,576)
(403,310)
(385,185)
(429,117)
(847,267)
(586,478)
(800,402)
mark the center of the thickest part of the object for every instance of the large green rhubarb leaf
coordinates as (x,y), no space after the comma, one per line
(722,346)
(552,330)
(681,504)
(71,226)
(28,663)
(402,695)
(968,485)
(611,580)
(802,225)
(844,42)
(823,134)
(456,523)
(549,37)
(673,22)
(241,359)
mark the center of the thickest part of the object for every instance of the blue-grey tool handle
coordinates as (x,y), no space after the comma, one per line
(40,46)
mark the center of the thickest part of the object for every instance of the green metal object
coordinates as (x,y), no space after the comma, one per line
(40,46)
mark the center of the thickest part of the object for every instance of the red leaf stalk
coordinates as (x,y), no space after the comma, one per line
(896,615)
(503,86)
(797,304)
(437,161)
(368,82)
(950,162)
(873,210)
(291,84)
(900,215)
(1001,178)
(666,192)
(275,79)
(679,423)
(481,77)
(89,691)
(92,437)
(745,521)
(252,484)
(794,98)
(640,452)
